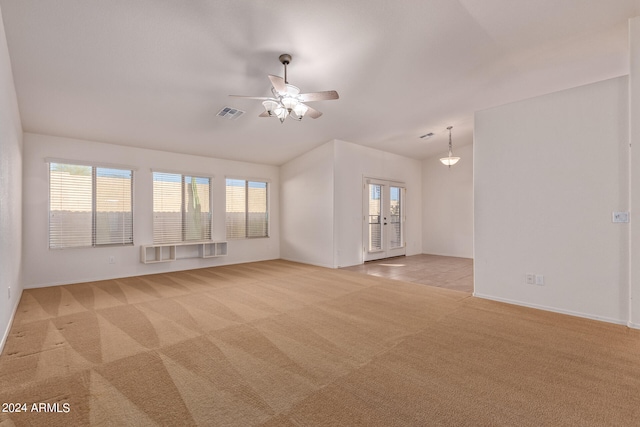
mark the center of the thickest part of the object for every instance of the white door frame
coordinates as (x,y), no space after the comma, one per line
(378,219)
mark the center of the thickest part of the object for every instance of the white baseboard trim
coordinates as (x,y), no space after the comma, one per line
(633,325)
(446,254)
(554,309)
(5,335)
(307,262)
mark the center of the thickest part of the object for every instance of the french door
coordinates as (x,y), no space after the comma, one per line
(384,219)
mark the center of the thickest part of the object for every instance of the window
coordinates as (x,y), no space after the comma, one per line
(247,209)
(89,206)
(181,208)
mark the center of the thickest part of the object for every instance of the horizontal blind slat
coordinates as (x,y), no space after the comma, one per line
(74,191)
(113,203)
(246,209)
(258,216)
(173,222)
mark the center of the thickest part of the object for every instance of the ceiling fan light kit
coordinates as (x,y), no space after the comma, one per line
(287,101)
(450,160)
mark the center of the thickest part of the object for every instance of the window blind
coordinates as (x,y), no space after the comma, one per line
(257,215)
(181,208)
(247,213)
(89,206)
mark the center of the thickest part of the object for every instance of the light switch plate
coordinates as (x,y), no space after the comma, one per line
(620,217)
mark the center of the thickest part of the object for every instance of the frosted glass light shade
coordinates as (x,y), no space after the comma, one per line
(289,103)
(292,90)
(281,113)
(300,110)
(270,106)
(449,161)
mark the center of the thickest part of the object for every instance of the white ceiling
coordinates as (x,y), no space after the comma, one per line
(154,73)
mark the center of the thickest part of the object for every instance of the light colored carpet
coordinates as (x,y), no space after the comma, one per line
(283,344)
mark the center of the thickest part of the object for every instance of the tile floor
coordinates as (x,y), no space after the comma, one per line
(433,270)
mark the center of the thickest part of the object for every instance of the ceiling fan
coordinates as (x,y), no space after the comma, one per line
(287,101)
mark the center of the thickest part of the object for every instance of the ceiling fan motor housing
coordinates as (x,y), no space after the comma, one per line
(285,58)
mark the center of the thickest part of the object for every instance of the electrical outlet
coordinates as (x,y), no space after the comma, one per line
(539,280)
(530,279)
(112,260)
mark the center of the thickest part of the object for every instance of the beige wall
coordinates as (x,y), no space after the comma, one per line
(43,267)
(634,140)
(447,205)
(548,173)
(307,206)
(10,193)
(354,162)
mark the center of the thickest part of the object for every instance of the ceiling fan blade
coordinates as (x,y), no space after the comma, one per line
(278,83)
(249,97)
(318,96)
(264,114)
(313,113)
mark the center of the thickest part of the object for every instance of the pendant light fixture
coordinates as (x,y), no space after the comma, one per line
(450,160)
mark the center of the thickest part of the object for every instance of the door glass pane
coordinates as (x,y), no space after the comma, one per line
(395,209)
(375,225)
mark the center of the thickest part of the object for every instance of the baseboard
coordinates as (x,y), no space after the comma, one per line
(554,309)
(5,335)
(633,325)
(306,262)
(447,255)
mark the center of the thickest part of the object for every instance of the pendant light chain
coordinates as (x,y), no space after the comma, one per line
(450,159)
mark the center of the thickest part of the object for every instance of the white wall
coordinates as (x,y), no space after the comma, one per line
(306,206)
(352,163)
(44,267)
(447,205)
(634,139)
(10,192)
(548,173)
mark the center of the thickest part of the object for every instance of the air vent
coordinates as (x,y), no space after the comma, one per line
(426,135)
(230,113)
